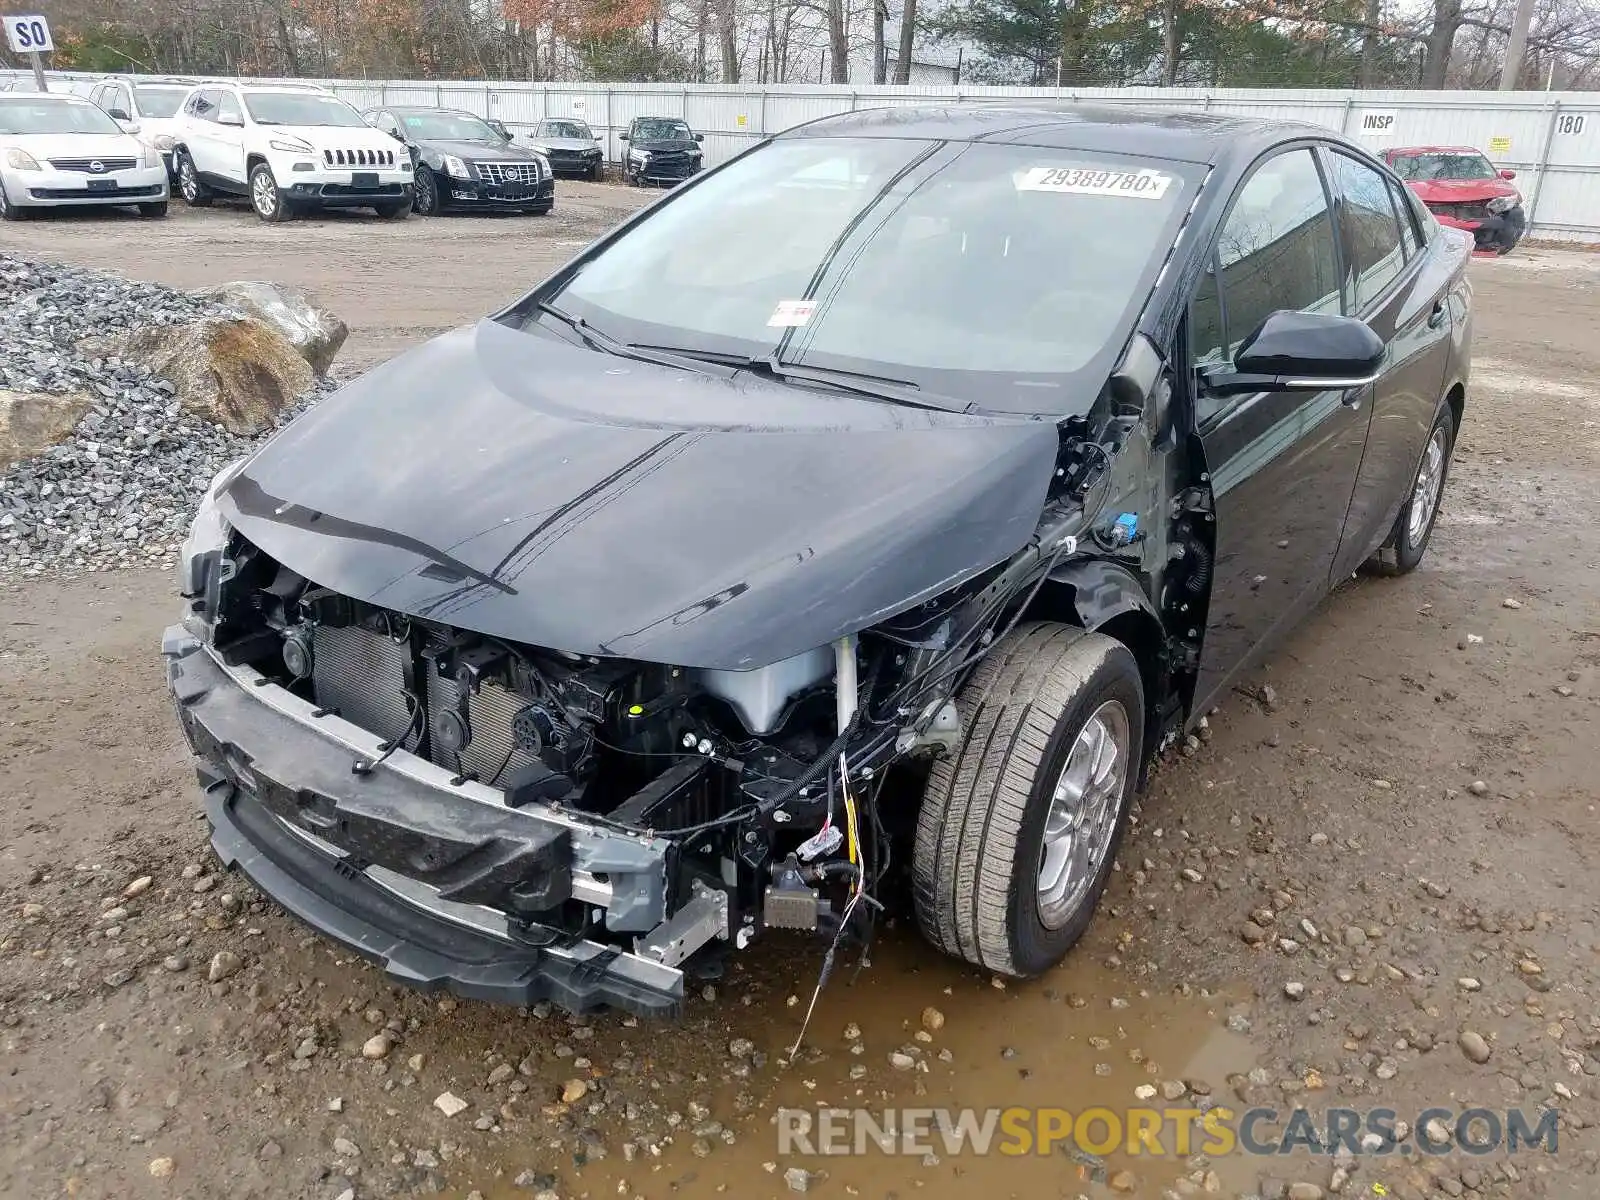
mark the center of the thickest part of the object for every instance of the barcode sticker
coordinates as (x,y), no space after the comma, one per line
(1087,181)
(791,312)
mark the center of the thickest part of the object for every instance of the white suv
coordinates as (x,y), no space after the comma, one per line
(151,105)
(288,148)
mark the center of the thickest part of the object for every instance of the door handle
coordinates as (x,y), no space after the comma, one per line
(1437,316)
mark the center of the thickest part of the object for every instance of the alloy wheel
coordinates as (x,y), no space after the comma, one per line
(264,194)
(1083,813)
(1425,493)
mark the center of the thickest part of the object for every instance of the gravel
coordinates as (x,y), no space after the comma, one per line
(122,490)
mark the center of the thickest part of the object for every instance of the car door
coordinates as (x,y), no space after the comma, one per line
(199,133)
(1399,286)
(228,131)
(1282,465)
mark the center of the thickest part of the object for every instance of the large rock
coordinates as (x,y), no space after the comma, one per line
(238,373)
(32,422)
(312,329)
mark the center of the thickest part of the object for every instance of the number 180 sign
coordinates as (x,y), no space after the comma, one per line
(28,35)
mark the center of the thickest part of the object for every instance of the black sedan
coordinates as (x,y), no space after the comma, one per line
(462,161)
(887,497)
(661,150)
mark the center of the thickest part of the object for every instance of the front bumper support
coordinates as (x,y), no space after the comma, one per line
(438,883)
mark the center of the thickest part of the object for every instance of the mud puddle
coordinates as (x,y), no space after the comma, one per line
(942,1079)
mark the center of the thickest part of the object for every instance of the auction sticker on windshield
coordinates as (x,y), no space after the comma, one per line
(791,313)
(1087,181)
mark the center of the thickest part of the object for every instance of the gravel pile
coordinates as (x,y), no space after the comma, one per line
(122,489)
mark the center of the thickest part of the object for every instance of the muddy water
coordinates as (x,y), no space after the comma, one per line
(1085,1037)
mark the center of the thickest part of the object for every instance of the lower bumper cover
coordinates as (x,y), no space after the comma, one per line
(1502,231)
(502,195)
(425,883)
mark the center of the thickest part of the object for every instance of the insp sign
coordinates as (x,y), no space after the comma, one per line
(1378,122)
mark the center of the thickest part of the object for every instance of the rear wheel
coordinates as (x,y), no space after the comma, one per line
(1019,828)
(195,194)
(1408,540)
(265,197)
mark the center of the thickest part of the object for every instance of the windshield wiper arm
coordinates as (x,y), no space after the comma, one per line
(860,383)
(606,344)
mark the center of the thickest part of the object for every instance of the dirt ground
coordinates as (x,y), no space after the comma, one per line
(1377,855)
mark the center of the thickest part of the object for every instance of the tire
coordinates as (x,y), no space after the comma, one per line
(8,210)
(266,198)
(397,211)
(596,172)
(1408,540)
(425,193)
(979,851)
(195,194)
(156,208)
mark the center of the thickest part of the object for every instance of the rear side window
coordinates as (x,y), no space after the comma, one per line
(1370,226)
(1276,251)
(204,105)
(1408,223)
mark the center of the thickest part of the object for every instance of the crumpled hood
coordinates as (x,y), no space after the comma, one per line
(562,143)
(1460,191)
(665,145)
(508,483)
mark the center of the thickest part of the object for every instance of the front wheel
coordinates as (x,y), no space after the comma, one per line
(1019,827)
(265,197)
(398,211)
(8,210)
(425,192)
(1408,540)
(195,194)
(156,208)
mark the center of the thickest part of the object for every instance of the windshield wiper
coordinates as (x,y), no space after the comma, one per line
(860,383)
(606,344)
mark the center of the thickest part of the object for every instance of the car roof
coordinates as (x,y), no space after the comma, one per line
(423,108)
(287,85)
(1177,134)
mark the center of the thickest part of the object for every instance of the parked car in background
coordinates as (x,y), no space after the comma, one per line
(150,104)
(570,146)
(61,151)
(906,484)
(660,150)
(459,160)
(288,149)
(1464,190)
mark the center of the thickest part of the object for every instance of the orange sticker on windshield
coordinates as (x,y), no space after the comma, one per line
(790,313)
(1087,181)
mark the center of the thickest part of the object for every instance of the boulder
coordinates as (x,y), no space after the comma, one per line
(32,422)
(239,374)
(314,331)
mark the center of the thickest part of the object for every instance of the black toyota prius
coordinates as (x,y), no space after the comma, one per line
(870,509)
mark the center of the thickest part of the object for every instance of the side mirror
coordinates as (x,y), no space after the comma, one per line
(1301,352)
(118,114)
(622,137)
(128,126)
(699,137)
(1508,174)
(500,128)
(231,121)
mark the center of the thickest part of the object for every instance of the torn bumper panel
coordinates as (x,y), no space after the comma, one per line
(440,882)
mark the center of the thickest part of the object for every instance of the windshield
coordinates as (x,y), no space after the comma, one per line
(448,127)
(39,114)
(299,108)
(159,101)
(1443,166)
(989,273)
(659,129)
(568,129)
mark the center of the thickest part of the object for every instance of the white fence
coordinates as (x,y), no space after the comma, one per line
(1551,139)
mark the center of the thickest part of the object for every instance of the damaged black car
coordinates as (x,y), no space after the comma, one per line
(883,500)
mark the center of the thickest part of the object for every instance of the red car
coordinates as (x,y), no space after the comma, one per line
(1463,189)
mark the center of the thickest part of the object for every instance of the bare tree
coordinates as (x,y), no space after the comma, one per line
(908,35)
